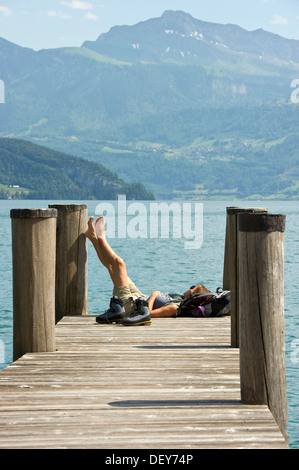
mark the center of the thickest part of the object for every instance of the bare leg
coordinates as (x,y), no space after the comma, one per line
(115,265)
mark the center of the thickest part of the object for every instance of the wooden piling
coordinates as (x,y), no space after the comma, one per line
(33,261)
(261,308)
(230,269)
(71,260)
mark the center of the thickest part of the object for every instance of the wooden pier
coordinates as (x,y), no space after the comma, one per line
(180,383)
(172,385)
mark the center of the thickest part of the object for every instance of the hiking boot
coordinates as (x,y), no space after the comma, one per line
(115,312)
(140,314)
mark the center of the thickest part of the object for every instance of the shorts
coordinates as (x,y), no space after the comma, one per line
(128,294)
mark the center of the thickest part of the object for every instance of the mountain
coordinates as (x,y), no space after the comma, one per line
(186,107)
(179,38)
(36,172)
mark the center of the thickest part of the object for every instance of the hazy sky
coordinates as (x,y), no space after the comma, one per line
(56,23)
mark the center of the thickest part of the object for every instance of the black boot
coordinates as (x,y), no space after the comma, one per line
(140,314)
(115,312)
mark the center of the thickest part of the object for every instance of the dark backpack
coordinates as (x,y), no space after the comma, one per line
(206,305)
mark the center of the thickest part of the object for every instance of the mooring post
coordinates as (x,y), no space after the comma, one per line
(71,260)
(230,269)
(33,262)
(261,307)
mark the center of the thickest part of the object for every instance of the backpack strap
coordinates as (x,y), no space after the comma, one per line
(197,296)
(192,297)
(211,297)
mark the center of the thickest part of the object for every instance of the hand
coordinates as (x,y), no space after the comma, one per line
(155,293)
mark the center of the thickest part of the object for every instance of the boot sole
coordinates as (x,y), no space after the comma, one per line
(146,323)
(109,322)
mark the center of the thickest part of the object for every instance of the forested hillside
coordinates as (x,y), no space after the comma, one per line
(31,171)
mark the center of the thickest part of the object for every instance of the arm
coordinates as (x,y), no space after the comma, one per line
(152,299)
(166,311)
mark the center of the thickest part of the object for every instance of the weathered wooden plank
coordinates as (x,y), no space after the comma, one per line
(173,385)
(229,427)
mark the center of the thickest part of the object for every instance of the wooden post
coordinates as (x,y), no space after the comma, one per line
(71,260)
(261,305)
(230,269)
(33,260)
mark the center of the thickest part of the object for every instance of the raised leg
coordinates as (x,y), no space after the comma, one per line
(115,265)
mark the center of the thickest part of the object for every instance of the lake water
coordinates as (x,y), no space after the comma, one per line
(165,264)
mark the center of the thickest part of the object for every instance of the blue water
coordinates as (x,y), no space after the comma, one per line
(164,264)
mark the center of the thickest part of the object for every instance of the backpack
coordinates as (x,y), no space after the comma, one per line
(206,305)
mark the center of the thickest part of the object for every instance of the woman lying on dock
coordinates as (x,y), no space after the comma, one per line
(128,305)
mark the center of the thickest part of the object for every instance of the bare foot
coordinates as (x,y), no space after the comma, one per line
(100,227)
(90,232)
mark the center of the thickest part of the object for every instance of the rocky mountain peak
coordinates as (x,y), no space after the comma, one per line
(177,36)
